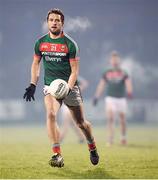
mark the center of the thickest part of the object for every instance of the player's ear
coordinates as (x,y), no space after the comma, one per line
(62,22)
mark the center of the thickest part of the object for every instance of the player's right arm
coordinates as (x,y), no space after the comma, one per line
(99,90)
(35,71)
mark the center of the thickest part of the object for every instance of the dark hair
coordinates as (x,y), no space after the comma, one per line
(56,11)
(114,53)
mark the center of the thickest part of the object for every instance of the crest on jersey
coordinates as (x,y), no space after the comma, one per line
(63,47)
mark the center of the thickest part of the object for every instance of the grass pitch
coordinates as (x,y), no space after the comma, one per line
(25,151)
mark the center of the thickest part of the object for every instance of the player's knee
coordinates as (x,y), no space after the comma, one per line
(84,125)
(88,124)
(80,125)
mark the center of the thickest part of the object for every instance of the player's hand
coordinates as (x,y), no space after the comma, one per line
(95,101)
(30,91)
(69,91)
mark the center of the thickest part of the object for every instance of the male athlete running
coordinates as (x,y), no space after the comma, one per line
(117,83)
(61,60)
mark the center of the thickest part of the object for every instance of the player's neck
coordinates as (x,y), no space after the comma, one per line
(54,36)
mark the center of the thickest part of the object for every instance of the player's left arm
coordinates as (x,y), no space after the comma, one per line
(74,64)
(129,87)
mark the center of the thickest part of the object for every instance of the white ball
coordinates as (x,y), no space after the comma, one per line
(59,88)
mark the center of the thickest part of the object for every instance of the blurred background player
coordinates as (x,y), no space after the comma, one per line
(118,86)
(67,120)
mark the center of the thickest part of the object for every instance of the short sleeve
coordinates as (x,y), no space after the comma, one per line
(126,76)
(74,51)
(37,49)
(104,75)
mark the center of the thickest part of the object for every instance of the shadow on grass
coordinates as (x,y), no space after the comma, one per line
(94,173)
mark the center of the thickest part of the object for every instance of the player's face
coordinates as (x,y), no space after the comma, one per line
(115,61)
(55,24)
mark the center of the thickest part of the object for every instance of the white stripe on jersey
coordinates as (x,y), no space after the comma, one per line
(42,36)
(77,48)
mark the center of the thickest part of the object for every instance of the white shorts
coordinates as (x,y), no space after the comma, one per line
(73,99)
(118,105)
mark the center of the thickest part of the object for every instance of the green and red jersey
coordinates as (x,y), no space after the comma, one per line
(56,55)
(115,82)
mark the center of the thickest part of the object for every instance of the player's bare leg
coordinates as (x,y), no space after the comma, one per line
(110,126)
(77,113)
(67,121)
(123,128)
(65,124)
(79,133)
(52,107)
(85,126)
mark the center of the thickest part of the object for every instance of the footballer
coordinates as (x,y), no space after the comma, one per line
(118,84)
(60,55)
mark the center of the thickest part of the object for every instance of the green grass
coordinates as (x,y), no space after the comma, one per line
(24,153)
